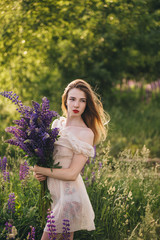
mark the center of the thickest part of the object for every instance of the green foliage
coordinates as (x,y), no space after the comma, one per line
(124,196)
(147,229)
(26,204)
(134,123)
(124,193)
(46,44)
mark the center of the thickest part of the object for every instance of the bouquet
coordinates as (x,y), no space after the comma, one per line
(33,134)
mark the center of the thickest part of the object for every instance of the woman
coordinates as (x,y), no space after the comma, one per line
(82,128)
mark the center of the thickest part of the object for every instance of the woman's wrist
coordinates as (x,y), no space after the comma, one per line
(37,169)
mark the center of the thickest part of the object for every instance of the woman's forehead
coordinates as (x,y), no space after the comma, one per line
(75,92)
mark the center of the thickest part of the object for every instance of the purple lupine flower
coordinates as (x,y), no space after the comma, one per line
(3,163)
(22,123)
(32,132)
(87,183)
(51,226)
(158,84)
(18,133)
(8,227)
(100,165)
(6,176)
(93,177)
(66,229)
(47,114)
(152,84)
(11,203)
(93,159)
(14,98)
(24,170)
(21,144)
(31,234)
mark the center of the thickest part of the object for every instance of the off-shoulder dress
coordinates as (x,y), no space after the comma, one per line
(70,198)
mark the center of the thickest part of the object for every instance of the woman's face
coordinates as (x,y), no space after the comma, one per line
(76,102)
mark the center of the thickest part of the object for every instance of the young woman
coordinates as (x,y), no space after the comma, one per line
(82,128)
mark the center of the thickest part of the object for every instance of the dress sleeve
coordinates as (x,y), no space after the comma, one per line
(55,123)
(59,123)
(84,148)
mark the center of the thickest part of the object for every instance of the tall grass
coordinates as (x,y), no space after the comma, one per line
(124,191)
(26,198)
(125,195)
(134,123)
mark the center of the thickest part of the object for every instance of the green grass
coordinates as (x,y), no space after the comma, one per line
(124,192)
(134,124)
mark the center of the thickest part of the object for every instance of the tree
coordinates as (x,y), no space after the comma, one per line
(46,44)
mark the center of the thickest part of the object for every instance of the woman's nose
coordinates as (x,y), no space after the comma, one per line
(76,104)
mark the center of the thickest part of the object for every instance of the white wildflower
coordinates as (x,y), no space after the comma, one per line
(130,195)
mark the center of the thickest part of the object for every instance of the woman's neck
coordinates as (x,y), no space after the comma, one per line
(75,121)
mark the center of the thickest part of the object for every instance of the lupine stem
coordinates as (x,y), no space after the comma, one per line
(44,202)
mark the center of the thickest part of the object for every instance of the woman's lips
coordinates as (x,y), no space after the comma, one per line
(75,111)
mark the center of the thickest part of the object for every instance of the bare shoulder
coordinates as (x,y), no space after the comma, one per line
(86,135)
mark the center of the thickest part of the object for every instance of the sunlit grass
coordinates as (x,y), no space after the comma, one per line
(134,123)
(124,192)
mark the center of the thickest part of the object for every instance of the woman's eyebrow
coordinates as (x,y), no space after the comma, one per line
(80,98)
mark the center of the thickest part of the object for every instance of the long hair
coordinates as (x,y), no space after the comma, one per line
(94,115)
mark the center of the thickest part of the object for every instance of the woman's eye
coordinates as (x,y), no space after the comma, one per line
(73,99)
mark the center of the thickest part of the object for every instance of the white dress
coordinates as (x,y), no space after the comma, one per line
(70,198)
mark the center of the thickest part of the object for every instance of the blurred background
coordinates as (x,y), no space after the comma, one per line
(112,44)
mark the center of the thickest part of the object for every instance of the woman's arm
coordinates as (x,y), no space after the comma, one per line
(66,174)
(78,162)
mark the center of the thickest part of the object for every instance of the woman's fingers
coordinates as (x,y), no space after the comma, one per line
(34,169)
(40,177)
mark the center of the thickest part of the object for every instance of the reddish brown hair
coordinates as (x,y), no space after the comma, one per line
(94,115)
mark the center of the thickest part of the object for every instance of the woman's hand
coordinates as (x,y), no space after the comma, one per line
(40,177)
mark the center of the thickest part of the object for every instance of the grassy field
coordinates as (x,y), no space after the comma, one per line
(135,123)
(124,191)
